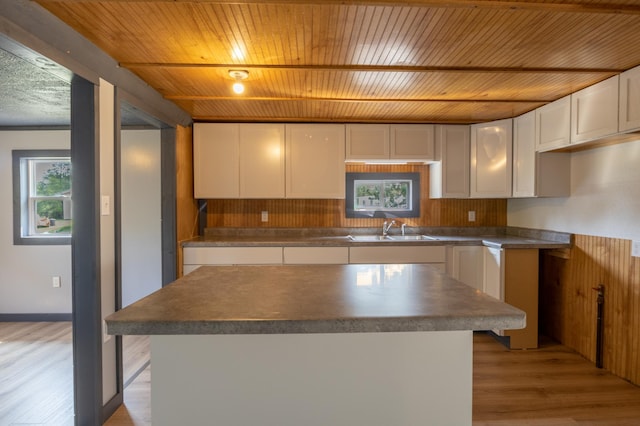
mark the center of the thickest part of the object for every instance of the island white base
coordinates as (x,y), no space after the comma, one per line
(413,378)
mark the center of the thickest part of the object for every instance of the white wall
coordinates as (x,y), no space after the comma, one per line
(106,126)
(26,271)
(141,214)
(604,201)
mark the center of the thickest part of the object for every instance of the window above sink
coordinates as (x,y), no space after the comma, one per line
(384,195)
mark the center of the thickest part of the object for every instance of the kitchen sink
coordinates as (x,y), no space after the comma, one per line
(411,237)
(390,238)
(368,238)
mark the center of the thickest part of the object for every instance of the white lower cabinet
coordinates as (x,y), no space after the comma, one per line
(493,272)
(316,255)
(465,264)
(194,257)
(399,254)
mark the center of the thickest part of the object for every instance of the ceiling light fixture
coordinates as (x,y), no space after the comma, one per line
(238,76)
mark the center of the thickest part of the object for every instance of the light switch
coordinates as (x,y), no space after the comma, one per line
(472,216)
(635,248)
(105,205)
(265,216)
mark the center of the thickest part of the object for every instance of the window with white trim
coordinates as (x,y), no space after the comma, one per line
(42,197)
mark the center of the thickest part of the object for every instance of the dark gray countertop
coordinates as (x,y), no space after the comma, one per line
(314,299)
(497,237)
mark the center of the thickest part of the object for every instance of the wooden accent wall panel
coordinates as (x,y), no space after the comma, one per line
(331,213)
(568,303)
(186,205)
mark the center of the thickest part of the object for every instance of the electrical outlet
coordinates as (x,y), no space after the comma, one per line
(635,248)
(472,216)
(265,216)
(56,282)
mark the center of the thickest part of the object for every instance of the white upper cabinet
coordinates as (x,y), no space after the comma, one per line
(630,100)
(262,160)
(594,111)
(216,167)
(233,160)
(449,175)
(367,142)
(412,142)
(542,174)
(315,161)
(553,125)
(491,159)
(394,142)
(524,155)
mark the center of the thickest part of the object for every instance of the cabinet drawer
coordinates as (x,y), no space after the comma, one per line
(395,254)
(316,255)
(232,255)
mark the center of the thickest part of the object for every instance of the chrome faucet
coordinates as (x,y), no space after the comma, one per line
(404,225)
(386,227)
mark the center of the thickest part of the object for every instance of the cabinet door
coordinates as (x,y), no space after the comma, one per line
(262,160)
(412,142)
(524,155)
(594,111)
(315,161)
(367,142)
(397,254)
(491,159)
(553,125)
(630,100)
(467,265)
(232,256)
(216,160)
(493,279)
(449,176)
(316,255)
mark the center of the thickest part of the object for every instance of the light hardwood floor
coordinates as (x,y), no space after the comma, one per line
(550,386)
(36,372)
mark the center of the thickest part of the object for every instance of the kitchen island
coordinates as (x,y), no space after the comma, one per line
(313,345)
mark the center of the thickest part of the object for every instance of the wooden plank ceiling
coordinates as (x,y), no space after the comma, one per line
(455,61)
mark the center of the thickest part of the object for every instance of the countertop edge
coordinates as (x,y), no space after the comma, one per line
(366,325)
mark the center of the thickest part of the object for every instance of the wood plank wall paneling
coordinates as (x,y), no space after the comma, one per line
(331,213)
(186,205)
(568,303)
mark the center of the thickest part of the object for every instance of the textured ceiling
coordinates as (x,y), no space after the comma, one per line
(36,92)
(33,95)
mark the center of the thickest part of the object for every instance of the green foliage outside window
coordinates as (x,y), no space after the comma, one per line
(382,194)
(55,182)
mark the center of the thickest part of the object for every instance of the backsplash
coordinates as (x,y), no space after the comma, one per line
(331,213)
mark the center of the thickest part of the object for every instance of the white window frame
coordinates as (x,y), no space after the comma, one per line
(24,203)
